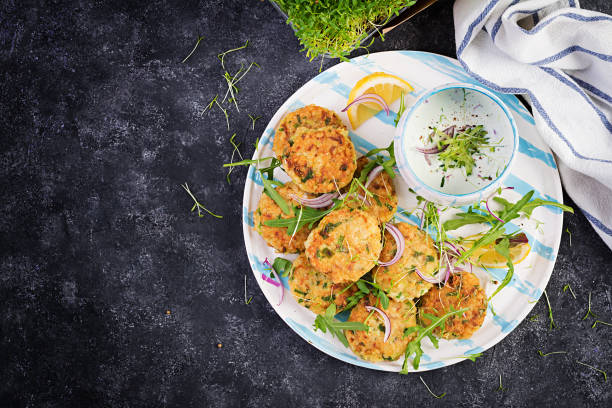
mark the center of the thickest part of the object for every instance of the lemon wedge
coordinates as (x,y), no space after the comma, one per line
(487,255)
(389,87)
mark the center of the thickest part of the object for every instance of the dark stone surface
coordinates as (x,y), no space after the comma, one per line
(113,294)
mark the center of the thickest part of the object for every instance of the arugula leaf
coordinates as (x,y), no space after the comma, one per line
(533,204)
(503,248)
(497,230)
(327,322)
(274,195)
(282,266)
(414,347)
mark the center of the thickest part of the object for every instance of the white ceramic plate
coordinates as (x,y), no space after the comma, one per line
(534,169)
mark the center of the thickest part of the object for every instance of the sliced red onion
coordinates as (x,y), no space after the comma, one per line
(274,282)
(385,318)
(449,131)
(321,201)
(453,247)
(399,241)
(427,278)
(270,280)
(519,239)
(370,97)
(375,172)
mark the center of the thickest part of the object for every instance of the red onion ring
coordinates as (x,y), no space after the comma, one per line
(375,172)
(372,97)
(453,247)
(399,241)
(273,282)
(449,131)
(427,278)
(321,201)
(385,318)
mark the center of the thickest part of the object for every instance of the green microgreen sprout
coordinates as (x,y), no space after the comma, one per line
(589,312)
(326,322)
(246,301)
(472,357)
(223,54)
(253,120)
(501,387)
(566,287)
(414,347)
(434,395)
(570,236)
(197,205)
(210,104)
(193,50)
(550,314)
(236,146)
(461,148)
(600,321)
(232,80)
(534,317)
(594,368)
(335,28)
(401,110)
(552,352)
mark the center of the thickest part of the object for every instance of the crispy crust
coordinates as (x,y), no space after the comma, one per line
(311,117)
(462,290)
(345,245)
(370,345)
(400,280)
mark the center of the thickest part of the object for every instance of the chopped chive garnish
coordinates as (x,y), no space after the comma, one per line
(197,205)
(566,287)
(550,314)
(194,48)
(594,368)
(589,310)
(552,352)
(434,395)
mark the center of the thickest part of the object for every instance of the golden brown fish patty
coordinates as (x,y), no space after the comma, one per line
(310,117)
(462,290)
(314,290)
(400,280)
(277,237)
(370,345)
(383,204)
(345,245)
(320,160)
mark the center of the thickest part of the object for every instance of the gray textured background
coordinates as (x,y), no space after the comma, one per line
(100,123)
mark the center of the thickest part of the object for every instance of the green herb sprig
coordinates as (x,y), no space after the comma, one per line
(550,313)
(594,368)
(434,395)
(200,38)
(414,347)
(459,150)
(335,28)
(327,322)
(197,204)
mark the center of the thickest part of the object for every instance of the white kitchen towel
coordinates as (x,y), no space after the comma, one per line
(560,57)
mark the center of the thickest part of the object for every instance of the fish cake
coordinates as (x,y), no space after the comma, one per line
(400,280)
(314,290)
(370,345)
(277,237)
(462,290)
(310,117)
(345,245)
(320,160)
(383,204)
